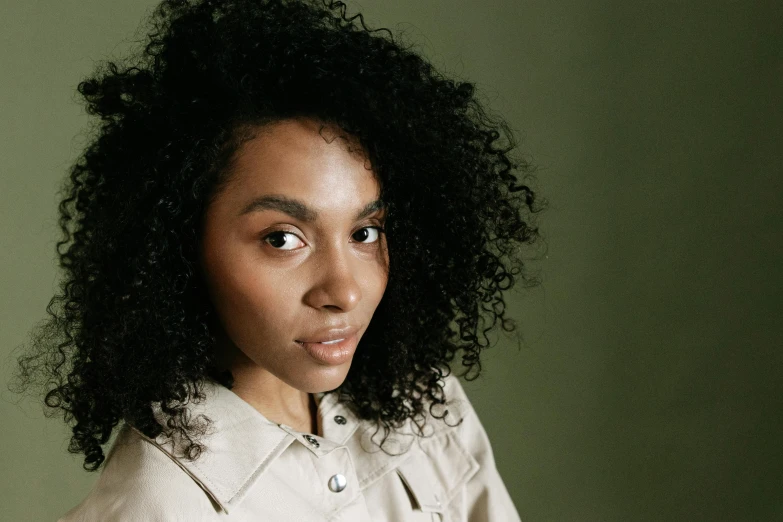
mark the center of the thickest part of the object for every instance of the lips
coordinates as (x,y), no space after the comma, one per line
(334,353)
(329,336)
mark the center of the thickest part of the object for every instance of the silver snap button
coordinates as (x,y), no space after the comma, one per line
(337,483)
(311,440)
(339,419)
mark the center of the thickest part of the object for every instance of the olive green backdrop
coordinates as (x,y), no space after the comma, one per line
(649,383)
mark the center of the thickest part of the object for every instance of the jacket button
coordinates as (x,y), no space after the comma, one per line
(339,419)
(337,483)
(311,440)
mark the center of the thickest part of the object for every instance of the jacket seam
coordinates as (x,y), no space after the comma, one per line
(254,475)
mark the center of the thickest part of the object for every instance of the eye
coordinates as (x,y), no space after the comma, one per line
(371,233)
(281,240)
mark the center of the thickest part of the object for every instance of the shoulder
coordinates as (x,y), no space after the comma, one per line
(459,415)
(446,458)
(470,430)
(141,482)
(455,394)
(459,442)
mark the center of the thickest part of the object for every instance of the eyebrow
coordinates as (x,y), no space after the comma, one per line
(298,210)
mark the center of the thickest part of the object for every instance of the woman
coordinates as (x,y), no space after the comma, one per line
(284,232)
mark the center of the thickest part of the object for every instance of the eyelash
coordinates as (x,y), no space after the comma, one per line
(380,230)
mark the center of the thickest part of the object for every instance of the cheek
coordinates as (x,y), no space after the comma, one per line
(384,265)
(247,296)
(378,279)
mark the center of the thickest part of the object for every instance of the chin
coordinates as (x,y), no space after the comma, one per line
(325,379)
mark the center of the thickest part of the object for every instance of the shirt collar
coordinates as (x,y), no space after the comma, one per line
(240,443)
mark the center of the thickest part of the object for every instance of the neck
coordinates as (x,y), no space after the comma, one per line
(280,405)
(271,397)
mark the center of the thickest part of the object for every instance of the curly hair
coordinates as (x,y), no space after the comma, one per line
(132,324)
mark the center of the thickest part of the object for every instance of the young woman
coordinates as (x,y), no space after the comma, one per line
(285,231)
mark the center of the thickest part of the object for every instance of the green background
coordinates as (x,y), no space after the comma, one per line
(648,386)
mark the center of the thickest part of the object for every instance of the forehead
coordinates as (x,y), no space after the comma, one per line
(301,157)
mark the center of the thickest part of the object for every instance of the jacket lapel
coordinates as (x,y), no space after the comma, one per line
(240,445)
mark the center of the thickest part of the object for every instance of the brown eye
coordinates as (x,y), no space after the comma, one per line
(371,233)
(282,240)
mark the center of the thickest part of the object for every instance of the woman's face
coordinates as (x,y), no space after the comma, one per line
(290,255)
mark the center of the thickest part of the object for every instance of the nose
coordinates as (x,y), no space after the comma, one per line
(335,285)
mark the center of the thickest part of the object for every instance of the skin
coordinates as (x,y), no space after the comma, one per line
(270,290)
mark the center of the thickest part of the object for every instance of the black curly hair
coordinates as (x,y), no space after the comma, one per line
(132,325)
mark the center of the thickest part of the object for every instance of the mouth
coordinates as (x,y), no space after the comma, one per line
(322,342)
(330,336)
(332,352)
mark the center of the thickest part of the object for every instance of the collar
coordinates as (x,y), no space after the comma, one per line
(241,443)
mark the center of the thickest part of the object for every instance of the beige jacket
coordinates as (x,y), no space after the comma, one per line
(256,470)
